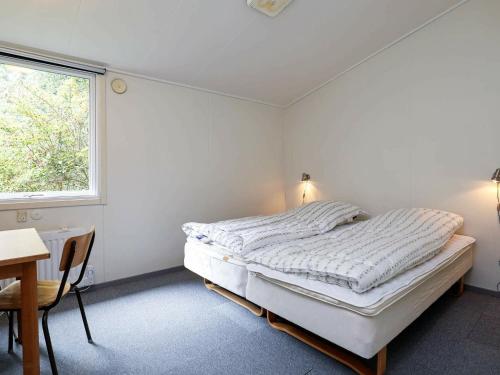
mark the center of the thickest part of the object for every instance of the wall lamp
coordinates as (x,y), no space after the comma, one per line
(496,178)
(306,178)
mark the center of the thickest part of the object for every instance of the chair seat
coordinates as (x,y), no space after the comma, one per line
(10,297)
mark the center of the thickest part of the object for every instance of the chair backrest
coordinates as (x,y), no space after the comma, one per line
(83,246)
(75,252)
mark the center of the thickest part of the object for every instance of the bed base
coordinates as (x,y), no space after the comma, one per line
(356,363)
(253,308)
(458,288)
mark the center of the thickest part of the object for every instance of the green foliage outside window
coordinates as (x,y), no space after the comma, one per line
(44,131)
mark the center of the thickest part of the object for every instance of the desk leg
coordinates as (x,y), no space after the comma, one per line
(29,317)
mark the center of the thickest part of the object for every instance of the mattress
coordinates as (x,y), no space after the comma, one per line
(216,264)
(377,299)
(362,334)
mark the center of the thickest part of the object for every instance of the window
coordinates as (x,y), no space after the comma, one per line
(48,142)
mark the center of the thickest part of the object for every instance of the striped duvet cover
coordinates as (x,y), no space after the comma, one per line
(363,255)
(241,236)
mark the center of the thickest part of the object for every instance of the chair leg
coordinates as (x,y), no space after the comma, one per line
(11,330)
(19,338)
(84,317)
(48,343)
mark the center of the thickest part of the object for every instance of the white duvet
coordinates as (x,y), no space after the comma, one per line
(241,236)
(364,255)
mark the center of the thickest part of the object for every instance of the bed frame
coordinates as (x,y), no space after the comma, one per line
(253,308)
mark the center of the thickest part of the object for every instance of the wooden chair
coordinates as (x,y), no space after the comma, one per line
(76,252)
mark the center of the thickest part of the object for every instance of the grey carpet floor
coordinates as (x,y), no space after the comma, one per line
(171,324)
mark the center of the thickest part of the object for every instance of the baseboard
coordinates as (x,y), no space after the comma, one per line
(137,277)
(477,289)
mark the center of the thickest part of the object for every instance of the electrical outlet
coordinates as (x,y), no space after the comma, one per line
(89,277)
(22,216)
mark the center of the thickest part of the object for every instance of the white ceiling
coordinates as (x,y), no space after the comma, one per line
(219,45)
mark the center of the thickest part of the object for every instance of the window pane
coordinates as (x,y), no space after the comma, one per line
(44,131)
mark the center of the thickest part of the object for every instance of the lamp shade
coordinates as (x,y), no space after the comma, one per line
(496,175)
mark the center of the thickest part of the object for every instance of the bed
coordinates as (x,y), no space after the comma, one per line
(342,286)
(359,325)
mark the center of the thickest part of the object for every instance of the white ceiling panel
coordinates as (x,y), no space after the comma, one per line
(220,45)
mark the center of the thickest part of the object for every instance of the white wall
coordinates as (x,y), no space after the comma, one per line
(417,125)
(174,155)
(178,155)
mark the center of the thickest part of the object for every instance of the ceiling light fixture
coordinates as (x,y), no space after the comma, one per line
(270,8)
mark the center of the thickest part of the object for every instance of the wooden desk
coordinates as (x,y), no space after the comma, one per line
(19,251)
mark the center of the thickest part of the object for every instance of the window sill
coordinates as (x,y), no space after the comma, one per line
(49,202)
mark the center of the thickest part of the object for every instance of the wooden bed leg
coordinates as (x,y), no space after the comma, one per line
(253,308)
(382,361)
(343,356)
(458,287)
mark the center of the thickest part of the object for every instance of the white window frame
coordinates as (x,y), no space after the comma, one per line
(96,193)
